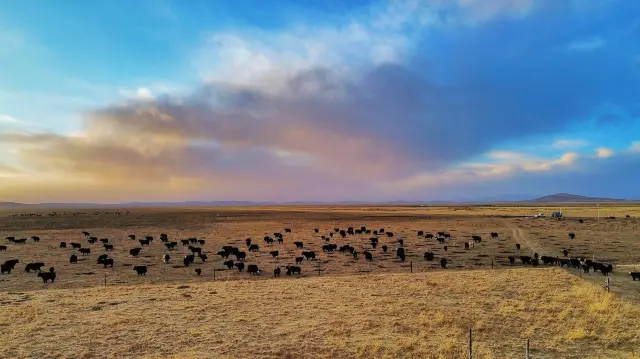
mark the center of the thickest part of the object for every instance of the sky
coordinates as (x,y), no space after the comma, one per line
(318,100)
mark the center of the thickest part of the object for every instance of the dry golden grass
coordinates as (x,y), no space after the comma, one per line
(424,315)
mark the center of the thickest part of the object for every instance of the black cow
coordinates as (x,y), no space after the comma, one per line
(135,251)
(634,275)
(228,264)
(140,270)
(268,240)
(274,253)
(198,271)
(10,239)
(309,255)
(535,255)
(525,259)
(343,233)
(3,248)
(144,242)
(34,267)
(299,260)
(108,247)
(170,245)
(280,240)
(104,240)
(35,238)
(149,238)
(276,272)
(384,249)
(193,240)
(400,254)
(572,235)
(86,234)
(443,263)
(401,242)
(253,269)
(185,242)
(84,251)
(201,242)
(195,250)
(293,270)
(420,233)
(11,262)
(316,230)
(47,276)
(102,258)
(466,245)
(367,255)
(287,230)
(189,259)
(63,245)
(248,241)
(548,260)
(92,240)
(108,262)
(5,268)
(241,256)
(329,247)
(428,256)
(476,239)
(518,246)
(446,248)
(440,240)
(494,234)
(203,257)
(428,236)
(565,252)
(73,259)
(381,230)
(581,221)
(132,237)
(389,234)
(223,254)
(76,245)
(299,244)
(254,248)
(512,259)
(166,258)
(535,262)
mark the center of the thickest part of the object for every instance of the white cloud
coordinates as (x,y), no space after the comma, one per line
(141,93)
(604,152)
(381,34)
(8,119)
(591,44)
(506,155)
(635,147)
(566,144)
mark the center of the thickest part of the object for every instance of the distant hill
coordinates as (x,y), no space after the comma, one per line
(571,198)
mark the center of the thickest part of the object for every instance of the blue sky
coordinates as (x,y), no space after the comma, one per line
(318,100)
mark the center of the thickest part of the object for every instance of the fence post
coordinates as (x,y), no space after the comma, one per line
(411,266)
(526,353)
(470,345)
(214,274)
(105,279)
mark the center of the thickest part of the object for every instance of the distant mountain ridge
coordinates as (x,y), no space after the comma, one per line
(572,198)
(554,198)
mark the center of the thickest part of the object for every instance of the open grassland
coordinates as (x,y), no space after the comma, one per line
(615,241)
(423,315)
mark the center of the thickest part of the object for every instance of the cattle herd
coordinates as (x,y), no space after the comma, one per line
(235,258)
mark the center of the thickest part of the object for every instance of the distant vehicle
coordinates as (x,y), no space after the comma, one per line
(556,214)
(539,215)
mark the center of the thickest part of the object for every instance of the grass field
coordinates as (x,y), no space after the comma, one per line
(339,306)
(424,315)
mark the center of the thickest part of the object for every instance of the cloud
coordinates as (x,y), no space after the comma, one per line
(8,119)
(141,93)
(603,152)
(635,147)
(564,144)
(590,44)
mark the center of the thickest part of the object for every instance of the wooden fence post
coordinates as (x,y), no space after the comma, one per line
(105,279)
(526,353)
(214,274)
(470,345)
(411,266)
